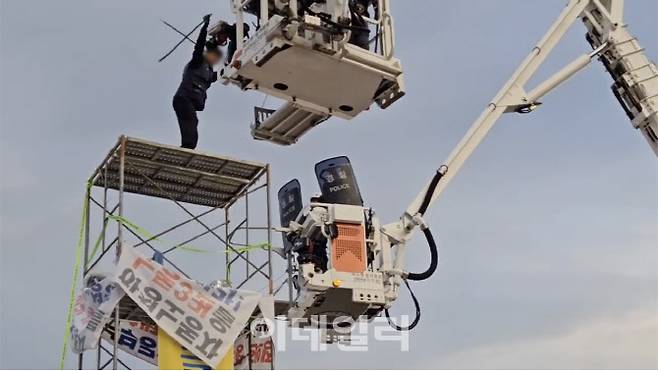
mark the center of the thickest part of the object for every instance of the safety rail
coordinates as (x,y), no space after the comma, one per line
(383,21)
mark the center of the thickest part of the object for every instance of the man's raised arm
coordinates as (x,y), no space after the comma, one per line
(197,56)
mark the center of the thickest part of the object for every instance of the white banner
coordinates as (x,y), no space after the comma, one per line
(92,309)
(138,339)
(253,352)
(204,322)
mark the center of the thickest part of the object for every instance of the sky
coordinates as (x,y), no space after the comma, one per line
(547,236)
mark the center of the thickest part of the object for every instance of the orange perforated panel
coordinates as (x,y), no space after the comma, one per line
(348,250)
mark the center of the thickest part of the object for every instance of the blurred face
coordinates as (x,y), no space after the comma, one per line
(213,58)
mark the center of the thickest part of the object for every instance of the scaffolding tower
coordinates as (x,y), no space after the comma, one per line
(209,190)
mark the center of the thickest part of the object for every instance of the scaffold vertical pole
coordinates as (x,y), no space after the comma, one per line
(227,253)
(86,254)
(103,247)
(246,230)
(122,170)
(268,179)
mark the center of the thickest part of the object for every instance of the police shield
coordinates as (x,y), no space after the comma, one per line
(337,182)
(290,205)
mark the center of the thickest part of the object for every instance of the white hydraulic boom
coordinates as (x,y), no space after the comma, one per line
(366,262)
(635,84)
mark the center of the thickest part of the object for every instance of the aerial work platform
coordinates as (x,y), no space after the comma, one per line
(308,62)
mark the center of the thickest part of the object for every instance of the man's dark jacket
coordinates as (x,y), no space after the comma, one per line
(198,74)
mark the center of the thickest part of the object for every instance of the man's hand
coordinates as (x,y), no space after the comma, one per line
(206,18)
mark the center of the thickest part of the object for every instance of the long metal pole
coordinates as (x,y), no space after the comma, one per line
(178,44)
(103,239)
(122,168)
(86,256)
(226,254)
(178,31)
(269,230)
(269,243)
(103,247)
(246,230)
(87,213)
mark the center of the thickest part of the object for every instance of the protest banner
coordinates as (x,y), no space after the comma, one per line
(206,323)
(91,311)
(253,352)
(138,339)
(173,356)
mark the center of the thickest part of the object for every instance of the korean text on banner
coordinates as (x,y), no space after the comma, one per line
(138,339)
(205,323)
(92,309)
(253,352)
(173,356)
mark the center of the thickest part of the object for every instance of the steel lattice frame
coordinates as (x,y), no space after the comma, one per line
(184,178)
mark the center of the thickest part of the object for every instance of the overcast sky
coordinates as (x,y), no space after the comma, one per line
(547,237)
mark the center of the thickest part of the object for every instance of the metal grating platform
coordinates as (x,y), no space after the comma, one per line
(169,172)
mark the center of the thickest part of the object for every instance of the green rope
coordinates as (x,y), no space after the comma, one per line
(149,236)
(76,271)
(137,229)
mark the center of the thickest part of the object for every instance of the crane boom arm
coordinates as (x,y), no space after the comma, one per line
(604,21)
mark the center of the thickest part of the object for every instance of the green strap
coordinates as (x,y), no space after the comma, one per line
(149,236)
(76,271)
(137,229)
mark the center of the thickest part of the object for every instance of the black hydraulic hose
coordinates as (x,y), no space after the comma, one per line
(434,251)
(434,263)
(432,187)
(416,318)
